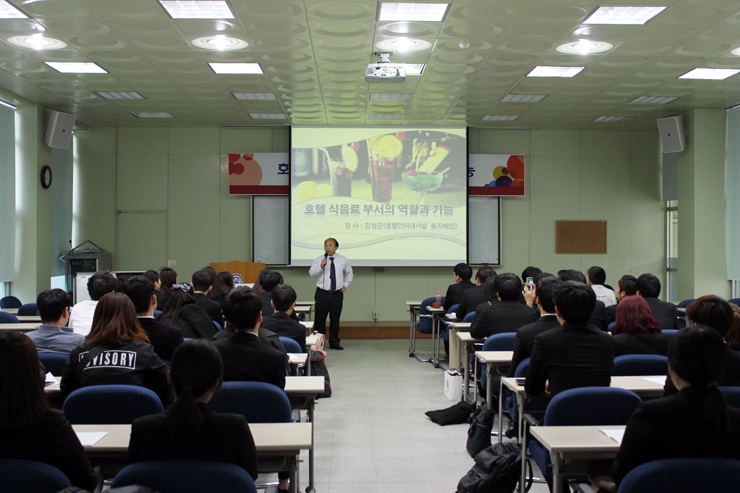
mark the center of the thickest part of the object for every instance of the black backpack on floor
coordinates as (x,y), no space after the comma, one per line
(497,470)
(318,369)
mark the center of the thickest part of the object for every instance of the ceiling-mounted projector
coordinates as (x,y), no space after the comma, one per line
(385,71)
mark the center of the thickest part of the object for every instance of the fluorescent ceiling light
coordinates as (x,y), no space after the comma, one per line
(523,98)
(390,97)
(268,116)
(119,95)
(236,68)
(77,67)
(10,11)
(613,119)
(500,118)
(385,116)
(545,71)
(421,12)
(198,9)
(152,114)
(414,68)
(710,73)
(653,100)
(254,96)
(623,15)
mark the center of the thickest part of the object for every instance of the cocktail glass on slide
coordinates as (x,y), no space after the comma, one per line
(423,182)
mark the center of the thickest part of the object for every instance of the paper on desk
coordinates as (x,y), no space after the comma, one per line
(615,435)
(90,438)
(49,379)
(660,380)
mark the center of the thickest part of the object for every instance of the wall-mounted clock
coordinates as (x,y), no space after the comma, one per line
(45,177)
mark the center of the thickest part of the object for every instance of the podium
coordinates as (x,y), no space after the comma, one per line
(247,270)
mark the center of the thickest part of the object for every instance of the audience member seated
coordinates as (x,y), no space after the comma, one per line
(98,285)
(245,357)
(202,284)
(575,354)
(53,335)
(219,291)
(462,274)
(283,302)
(489,290)
(227,279)
(182,312)
(695,422)
(544,291)
(733,335)
(117,351)
(29,428)
(648,286)
(188,430)
(598,317)
(636,330)
(474,296)
(167,278)
(596,279)
(140,291)
(713,312)
(153,276)
(626,286)
(268,279)
(508,314)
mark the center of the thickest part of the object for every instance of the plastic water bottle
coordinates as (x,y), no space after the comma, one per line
(438,301)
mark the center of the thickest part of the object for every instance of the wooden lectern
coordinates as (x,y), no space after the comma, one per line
(248,270)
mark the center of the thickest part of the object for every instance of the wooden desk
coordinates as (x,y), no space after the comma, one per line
(493,360)
(466,343)
(21,327)
(452,328)
(29,318)
(413,307)
(573,448)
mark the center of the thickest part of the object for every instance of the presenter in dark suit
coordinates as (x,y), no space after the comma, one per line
(508,314)
(636,331)
(202,284)
(648,286)
(189,430)
(333,280)
(473,297)
(462,274)
(283,303)
(575,354)
(141,292)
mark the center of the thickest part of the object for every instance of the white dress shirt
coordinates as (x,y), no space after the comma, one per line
(82,316)
(342,270)
(604,294)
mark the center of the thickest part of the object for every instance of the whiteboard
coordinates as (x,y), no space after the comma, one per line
(484,230)
(270,229)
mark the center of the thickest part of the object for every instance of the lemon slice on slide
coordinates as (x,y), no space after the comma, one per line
(390,147)
(350,158)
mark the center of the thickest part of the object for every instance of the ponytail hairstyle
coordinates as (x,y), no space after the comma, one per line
(697,354)
(196,367)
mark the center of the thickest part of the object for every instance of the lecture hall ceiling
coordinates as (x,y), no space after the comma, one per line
(314,52)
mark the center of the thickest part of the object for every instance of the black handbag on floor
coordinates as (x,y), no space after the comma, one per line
(455,415)
(479,433)
(497,470)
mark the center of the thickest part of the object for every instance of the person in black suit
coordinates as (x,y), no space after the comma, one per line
(575,354)
(626,286)
(283,302)
(598,317)
(648,286)
(714,312)
(525,335)
(696,422)
(473,297)
(29,428)
(462,274)
(245,357)
(636,330)
(202,283)
(189,430)
(164,338)
(182,312)
(508,314)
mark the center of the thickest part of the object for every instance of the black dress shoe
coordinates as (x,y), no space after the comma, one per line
(337,347)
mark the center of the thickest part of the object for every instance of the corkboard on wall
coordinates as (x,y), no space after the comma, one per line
(580,237)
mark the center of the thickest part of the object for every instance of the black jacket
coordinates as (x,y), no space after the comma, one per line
(246,358)
(599,317)
(131,363)
(671,428)
(267,336)
(455,293)
(642,343)
(212,308)
(664,312)
(164,338)
(570,356)
(730,378)
(504,316)
(194,323)
(224,438)
(525,339)
(51,440)
(283,325)
(471,298)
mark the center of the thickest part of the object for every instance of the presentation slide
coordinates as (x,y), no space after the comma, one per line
(391,196)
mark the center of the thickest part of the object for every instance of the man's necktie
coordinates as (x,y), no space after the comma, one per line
(333,275)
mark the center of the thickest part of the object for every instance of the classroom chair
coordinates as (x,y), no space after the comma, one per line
(510,403)
(496,342)
(629,365)
(732,395)
(28,310)
(10,302)
(110,404)
(217,325)
(735,301)
(53,362)
(469,317)
(610,327)
(258,402)
(186,476)
(672,332)
(290,345)
(31,476)
(8,318)
(682,476)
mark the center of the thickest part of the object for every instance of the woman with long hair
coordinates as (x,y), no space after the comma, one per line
(733,334)
(228,280)
(29,428)
(188,430)
(117,351)
(182,312)
(219,290)
(636,331)
(167,278)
